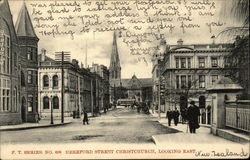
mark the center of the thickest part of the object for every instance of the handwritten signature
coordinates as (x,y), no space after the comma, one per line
(226,153)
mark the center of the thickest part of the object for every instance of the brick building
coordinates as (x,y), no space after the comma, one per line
(28,43)
(18,67)
(10,111)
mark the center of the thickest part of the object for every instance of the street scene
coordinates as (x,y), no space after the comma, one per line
(155,79)
(117,126)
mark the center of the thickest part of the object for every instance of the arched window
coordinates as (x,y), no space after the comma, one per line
(55,81)
(55,102)
(45,81)
(22,79)
(45,102)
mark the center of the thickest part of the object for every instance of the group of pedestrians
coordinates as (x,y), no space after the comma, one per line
(141,106)
(173,114)
(191,115)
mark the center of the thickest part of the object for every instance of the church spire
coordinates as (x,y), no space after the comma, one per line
(115,67)
(114,61)
(24,27)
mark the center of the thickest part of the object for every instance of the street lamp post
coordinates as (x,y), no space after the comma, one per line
(51,107)
(159,90)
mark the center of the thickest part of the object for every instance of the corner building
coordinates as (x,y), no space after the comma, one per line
(10,111)
(78,90)
(188,70)
(28,43)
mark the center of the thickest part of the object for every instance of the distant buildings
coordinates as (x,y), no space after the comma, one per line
(84,89)
(134,88)
(101,81)
(187,71)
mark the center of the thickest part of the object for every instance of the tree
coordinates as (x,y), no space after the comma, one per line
(238,11)
(238,65)
(238,59)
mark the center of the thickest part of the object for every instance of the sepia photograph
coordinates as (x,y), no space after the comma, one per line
(124,79)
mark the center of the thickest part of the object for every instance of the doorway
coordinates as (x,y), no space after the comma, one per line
(23,111)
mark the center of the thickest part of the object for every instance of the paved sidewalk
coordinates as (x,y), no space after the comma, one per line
(42,124)
(203,134)
(46,123)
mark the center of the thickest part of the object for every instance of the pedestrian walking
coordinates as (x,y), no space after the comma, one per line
(169,116)
(85,117)
(176,115)
(193,114)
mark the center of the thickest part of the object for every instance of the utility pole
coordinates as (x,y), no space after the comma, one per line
(91,96)
(159,91)
(114,97)
(62,57)
(51,109)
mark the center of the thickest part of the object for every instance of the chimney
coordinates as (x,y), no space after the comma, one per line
(162,47)
(237,41)
(180,42)
(43,54)
(213,39)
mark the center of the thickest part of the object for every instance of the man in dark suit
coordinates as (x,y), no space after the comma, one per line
(193,114)
(169,117)
(85,117)
(176,115)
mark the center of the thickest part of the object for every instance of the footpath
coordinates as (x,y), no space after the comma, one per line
(44,123)
(203,134)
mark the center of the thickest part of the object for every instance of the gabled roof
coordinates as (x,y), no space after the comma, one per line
(24,25)
(145,82)
(134,82)
(5,14)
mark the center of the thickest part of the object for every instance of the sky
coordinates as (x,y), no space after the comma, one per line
(98,46)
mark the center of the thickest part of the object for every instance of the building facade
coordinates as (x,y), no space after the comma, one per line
(102,85)
(156,61)
(28,43)
(84,89)
(10,111)
(18,67)
(77,88)
(188,70)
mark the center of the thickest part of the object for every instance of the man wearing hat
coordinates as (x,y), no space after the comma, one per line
(193,114)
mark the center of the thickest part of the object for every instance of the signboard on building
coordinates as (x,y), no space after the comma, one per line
(1,46)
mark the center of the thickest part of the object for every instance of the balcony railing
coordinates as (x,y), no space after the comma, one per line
(237,115)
